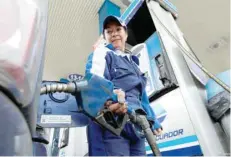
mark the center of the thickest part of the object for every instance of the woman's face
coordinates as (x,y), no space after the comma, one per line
(116,35)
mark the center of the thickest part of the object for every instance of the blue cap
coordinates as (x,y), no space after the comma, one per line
(115,19)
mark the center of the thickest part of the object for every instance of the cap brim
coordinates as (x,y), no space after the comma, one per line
(110,19)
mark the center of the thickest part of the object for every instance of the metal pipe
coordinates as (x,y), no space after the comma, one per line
(218,81)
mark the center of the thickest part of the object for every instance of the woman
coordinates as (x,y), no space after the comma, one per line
(115,64)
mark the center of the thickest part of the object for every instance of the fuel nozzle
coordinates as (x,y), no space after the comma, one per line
(71,87)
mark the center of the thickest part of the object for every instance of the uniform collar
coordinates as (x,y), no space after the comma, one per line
(120,53)
(117,52)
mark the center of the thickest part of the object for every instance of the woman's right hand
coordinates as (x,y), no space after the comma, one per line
(100,41)
(118,108)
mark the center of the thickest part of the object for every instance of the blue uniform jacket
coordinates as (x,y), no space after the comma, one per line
(124,72)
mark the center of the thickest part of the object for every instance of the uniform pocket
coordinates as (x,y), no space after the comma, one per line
(120,72)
